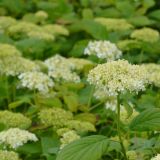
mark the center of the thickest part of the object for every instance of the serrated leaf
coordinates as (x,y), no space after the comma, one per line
(148,120)
(92,147)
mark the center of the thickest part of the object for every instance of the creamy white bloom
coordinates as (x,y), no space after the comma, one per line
(103,50)
(153,73)
(15,137)
(36,81)
(157,157)
(15,65)
(61,68)
(8,155)
(118,77)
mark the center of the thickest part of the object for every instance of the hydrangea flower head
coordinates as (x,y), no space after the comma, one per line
(15,137)
(36,81)
(61,68)
(103,50)
(146,34)
(56,117)
(157,157)
(153,73)
(11,119)
(114,24)
(68,137)
(8,155)
(118,77)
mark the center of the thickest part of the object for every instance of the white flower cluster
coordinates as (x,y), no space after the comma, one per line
(111,104)
(12,63)
(118,77)
(157,157)
(36,81)
(153,73)
(103,50)
(61,68)
(15,137)
(13,66)
(8,155)
(68,137)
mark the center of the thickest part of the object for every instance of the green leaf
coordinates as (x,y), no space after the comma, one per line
(72,102)
(15,104)
(30,148)
(92,147)
(49,144)
(91,27)
(148,120)
(155,14)
(141,21)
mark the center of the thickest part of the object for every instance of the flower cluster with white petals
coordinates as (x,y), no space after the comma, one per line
(118,77)
(61,68)
(36,81)
(153,73)
(15,137)
(157,157)
(8,155)
(103,50)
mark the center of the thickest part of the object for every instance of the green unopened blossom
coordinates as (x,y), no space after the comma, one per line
(124,115)
(56,117)
(114,24)
(153,73)
(146,34)
(6,21)
(15,65)
(60,68)
(36,81)
(118,77)
(7,50)
(13,120)
(56,29)
(157,157)
(8,155)
(103,50)
(68,137)
(61,131)
(132,155)
(21,28)
(128,44)
(80,63)
(81,126)
(15,137)
(26,29)
(41,15)
(41,35)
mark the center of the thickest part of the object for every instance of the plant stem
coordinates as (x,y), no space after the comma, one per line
(119,130)
(90,96)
